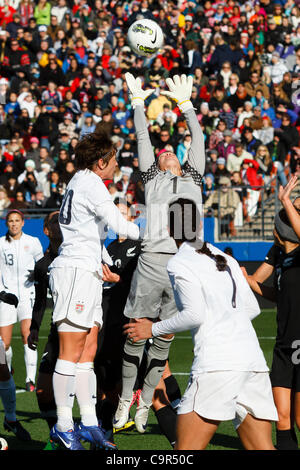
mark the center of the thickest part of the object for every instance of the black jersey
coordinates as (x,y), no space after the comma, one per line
(124,256)
(287,284)
(41,283)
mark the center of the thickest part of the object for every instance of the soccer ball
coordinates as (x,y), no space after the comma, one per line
(3,444)
(145,37)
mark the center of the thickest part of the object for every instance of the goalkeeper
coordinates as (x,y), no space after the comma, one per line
(151,293)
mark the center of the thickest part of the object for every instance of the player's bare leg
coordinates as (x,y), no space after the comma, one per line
(194,432)
(256,434)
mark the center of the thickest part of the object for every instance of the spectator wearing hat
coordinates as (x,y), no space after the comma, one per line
(13,26)
(226,146)
(88,125)
(277,69)
(33,151)
(247,112)
(124,185)
(29,168)
(68,125)
(221,170)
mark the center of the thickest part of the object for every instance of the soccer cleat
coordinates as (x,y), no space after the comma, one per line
(17,429)
(122,414)
(141,416)
(69,439)
(94,435)
(29,386)
(127,426)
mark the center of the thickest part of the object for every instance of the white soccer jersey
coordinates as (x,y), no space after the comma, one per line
(86,212)
(17,260)
(218,308)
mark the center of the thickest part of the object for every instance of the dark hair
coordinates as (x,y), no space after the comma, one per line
(220,260)
(12,211)
(51,217)
(184,220)
(91,148)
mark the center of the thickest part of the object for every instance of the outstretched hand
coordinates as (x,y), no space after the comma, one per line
(140,329)
(285,191)
(180,90)
(138,95)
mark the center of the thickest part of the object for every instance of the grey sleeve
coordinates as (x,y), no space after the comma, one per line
(195,163)
(145,150)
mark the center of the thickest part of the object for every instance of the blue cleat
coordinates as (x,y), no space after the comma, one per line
(69,440)
(95,436)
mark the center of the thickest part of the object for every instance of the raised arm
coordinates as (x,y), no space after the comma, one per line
(180,90)
(138,95)
(284,197)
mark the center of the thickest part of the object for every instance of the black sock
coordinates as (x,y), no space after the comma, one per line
(166,418)
(172,389)
(105,411)
(286,440)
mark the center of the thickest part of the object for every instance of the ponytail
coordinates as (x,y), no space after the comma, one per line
(8,237)
(220,260)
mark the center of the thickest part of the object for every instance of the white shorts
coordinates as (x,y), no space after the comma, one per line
(230,395)
(9,314)
(77,296)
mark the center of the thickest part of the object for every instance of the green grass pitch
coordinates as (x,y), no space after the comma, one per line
(180,361)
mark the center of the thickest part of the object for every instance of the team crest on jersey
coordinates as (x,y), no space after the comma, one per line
(26,248)
(79,307)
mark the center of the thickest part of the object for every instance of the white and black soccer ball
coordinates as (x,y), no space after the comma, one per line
(3,444)
(145,37)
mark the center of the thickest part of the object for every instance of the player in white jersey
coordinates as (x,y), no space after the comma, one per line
(229,376)
(18,254)
(76,285)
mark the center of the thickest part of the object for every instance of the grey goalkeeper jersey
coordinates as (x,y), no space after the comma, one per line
(162,187)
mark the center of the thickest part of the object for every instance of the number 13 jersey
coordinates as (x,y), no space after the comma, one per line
(17,260)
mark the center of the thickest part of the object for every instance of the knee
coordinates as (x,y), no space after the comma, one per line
(284,418)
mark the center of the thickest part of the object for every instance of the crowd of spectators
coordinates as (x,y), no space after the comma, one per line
(62,69)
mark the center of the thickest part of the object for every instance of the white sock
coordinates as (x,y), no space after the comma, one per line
(86,390)
(30,358)
(64,393)
(9,355)
(8,397)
